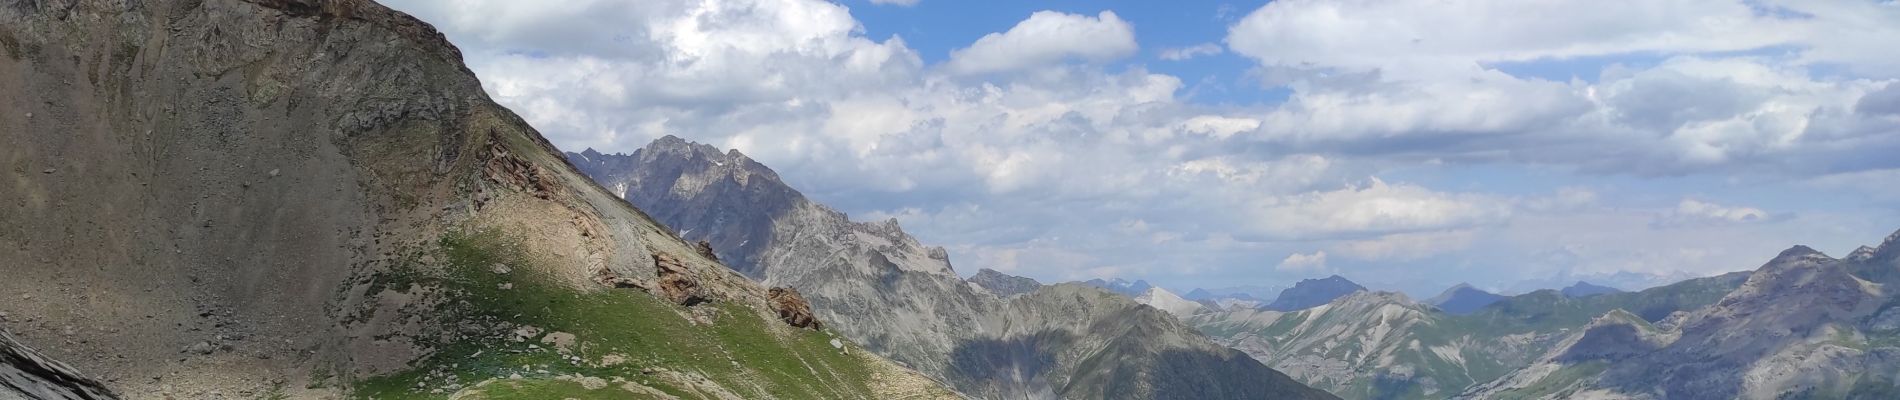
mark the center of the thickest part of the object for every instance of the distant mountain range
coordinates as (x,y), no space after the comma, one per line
(1803,325)
(992,336)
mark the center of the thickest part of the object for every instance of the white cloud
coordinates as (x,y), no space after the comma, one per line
(1407,246)
(1375,208)
(1026,149)
(1047,37)
(1190,52)
(1304,263)
(1693,212)
(1428,37)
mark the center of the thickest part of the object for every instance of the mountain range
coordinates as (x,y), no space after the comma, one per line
(992,337)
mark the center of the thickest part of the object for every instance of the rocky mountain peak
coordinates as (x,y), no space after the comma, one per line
(1863,253)
(1313,292)
(1002,284)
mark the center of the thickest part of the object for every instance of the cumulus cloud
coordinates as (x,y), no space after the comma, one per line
(1190,52)
(1028,148)
(1314,263)
(1047,37)
(1374,208)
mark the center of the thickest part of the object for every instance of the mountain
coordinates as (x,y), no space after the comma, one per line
(1123,287)
(1585,289)
(1804,325)
(1162,299)
(878,286)
(1463,299)
(1003,284)
(316,199)
(1249,292)
(1375,345)
(1311,293)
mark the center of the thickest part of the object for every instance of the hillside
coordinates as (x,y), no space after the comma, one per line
(316,199)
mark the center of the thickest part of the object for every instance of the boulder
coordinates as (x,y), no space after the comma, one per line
(792,308)
(675,283)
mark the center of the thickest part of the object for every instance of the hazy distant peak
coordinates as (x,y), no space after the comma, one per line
(1587,289)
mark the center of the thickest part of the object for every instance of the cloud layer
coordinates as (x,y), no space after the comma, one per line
(1050,149)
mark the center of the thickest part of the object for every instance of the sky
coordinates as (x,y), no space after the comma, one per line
(1405,144)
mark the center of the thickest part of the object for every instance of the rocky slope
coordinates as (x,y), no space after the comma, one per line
(1463,299)
(1164,300)
(1804,325)
(1311,293)
(315,199)
(1002,284)
(877,285)
(1372,345)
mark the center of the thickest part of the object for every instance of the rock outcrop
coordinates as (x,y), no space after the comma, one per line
(27,374)
(793,309)
(675,283)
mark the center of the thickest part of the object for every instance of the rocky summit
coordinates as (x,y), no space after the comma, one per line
(1003,284)
(1311,293)
(990,337)
(240,199)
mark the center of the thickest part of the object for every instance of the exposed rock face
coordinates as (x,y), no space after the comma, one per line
(27,374)
(1003,284)
(1463,299)
(227,193)
(1586,289)
(875,284)
(1310,293)
(793,309)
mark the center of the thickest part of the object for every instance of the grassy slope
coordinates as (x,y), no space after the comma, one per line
(740,352)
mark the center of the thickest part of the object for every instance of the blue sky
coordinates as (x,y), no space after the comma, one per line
(1406,144)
